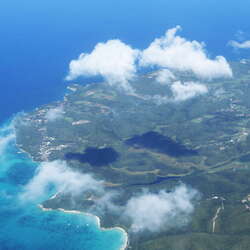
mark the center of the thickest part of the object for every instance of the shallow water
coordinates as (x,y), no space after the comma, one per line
(23,225)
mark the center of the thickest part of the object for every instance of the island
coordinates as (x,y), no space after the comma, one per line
(146,140)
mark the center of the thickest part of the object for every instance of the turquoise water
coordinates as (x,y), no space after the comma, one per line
(24,226)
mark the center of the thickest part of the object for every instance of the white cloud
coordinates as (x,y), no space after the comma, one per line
(117,62)
(180,92)
(113,60)
(63,179)
(105,202)
(165,76)
(152,212)
(240,45)
(156,211)
(54,114)
(187,90)
(4,141)
(7,134)
(175,52)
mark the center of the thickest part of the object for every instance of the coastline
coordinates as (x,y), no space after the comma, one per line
(97,219)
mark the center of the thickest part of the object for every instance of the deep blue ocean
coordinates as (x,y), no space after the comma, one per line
(37,41)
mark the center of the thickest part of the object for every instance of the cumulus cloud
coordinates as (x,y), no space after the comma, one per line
(187,90)
(180,92)
(118,62)
(146,211)
(7,134)
(114,60)
(240,45)
(106,203)
(4,141)
(61,178)
(175,52)
(154,212)
(54,114)
(58,177)
(165,76)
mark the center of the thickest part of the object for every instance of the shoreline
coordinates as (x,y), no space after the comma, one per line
(97,219)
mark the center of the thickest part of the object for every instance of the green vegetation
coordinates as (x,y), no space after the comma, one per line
(215,128)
